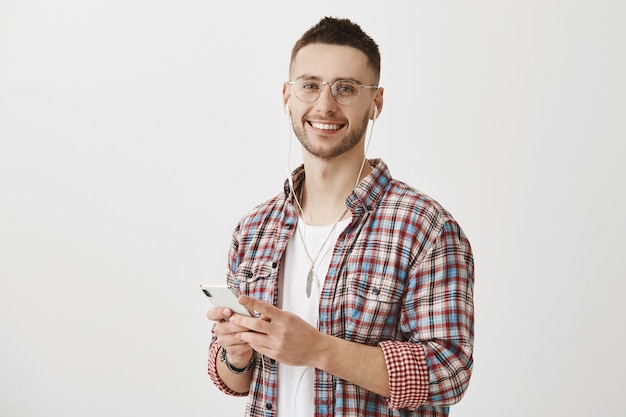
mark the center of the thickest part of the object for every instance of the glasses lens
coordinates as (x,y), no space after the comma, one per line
(346,92)
(307,90)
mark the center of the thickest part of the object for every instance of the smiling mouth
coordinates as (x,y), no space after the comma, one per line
(326,126)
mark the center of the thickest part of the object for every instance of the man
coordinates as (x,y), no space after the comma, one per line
(362,285)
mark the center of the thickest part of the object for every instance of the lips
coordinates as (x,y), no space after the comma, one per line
(326,126)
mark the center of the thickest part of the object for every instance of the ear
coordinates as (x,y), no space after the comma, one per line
(378,104)
(286,98)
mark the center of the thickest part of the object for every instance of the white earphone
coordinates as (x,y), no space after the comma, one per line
(375,113)
(287,110)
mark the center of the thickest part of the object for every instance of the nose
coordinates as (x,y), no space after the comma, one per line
(326,101)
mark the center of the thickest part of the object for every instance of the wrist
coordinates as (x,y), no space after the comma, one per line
(237,358)
(237,370)
(326,352)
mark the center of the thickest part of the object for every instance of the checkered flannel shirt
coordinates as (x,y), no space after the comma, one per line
(401,278)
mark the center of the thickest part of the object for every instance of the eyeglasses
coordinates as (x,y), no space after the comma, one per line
(344,91)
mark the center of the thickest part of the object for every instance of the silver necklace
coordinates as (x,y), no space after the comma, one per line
(313,261)
(311,274)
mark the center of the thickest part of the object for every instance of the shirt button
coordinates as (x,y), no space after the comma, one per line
(376,291)
(249,275)
(274,264)
(268,406)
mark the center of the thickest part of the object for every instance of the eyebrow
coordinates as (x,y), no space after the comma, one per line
(314,77)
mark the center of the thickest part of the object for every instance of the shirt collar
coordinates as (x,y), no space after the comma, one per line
(365,196)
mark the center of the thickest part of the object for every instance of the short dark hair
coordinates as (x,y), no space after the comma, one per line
(343,32)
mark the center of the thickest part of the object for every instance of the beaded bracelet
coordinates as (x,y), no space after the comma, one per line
(231,368)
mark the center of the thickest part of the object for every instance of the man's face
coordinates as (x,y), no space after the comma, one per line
(325,128)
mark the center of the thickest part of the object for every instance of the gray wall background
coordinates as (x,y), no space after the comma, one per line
(129,148)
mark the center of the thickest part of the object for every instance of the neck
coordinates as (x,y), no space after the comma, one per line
(327,186)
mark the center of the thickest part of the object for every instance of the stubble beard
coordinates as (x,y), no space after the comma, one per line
(348,142)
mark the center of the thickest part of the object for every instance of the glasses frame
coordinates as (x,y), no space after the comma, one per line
(333,89)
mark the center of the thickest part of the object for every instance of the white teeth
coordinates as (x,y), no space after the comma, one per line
(325,126)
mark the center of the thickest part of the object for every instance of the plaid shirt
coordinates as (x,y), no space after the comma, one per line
(401,278)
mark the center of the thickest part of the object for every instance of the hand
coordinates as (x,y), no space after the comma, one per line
(279,334)
(229,336)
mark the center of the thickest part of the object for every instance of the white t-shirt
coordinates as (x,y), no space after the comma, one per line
(295,383)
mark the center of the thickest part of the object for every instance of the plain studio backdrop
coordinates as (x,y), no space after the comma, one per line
(134,134)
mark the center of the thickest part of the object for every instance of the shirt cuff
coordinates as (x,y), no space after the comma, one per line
(408,374)
(213,352)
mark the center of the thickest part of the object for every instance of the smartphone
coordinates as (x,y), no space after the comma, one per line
(220,295)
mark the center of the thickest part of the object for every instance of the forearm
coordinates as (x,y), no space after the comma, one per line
(359,364)
(237,383)
(395,370)
(223,378)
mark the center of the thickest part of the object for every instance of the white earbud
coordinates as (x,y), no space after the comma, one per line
(287,110)
(290,180)
(375,113)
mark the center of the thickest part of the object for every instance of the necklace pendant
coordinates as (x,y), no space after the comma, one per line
(309,282)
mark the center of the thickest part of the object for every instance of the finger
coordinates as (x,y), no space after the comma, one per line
(228,327)
(253,324)
(219,314)
(267,310)
(258,341)
(232,340)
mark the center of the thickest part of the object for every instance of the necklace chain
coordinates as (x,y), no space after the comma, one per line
(313,261)
(311,274)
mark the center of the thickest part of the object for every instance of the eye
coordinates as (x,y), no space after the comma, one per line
(309,85)
(346,87)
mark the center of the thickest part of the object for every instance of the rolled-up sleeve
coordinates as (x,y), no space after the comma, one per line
(214,346)
(433,366)
(212,369)
(408,374)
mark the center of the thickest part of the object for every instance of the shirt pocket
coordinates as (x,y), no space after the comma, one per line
(255,279)
(374,305)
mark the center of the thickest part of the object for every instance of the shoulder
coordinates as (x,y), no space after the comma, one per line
(270,209)
(401,197)
(402,206)
(437,241)
(423,219)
